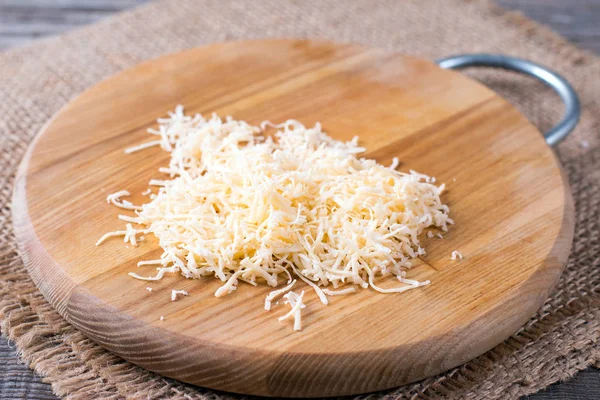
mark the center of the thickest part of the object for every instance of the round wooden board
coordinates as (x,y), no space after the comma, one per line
(512,207)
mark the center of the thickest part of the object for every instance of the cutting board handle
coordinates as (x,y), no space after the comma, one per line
(560,85)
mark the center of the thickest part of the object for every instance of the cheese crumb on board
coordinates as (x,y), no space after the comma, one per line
(109,235)
(175,293)
(162,318)
(115,198)
(244,206)
(275,293)
(295,301)
(142,146)
(456,255)
(339,292)
(149,289)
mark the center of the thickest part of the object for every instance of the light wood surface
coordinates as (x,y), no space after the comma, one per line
(512,207)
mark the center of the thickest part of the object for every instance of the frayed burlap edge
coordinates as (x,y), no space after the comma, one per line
(78,368)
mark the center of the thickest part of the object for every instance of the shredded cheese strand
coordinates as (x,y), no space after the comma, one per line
(175,293)
(143,146)
(276,293)
(339,292)
(115,198)
(161,273)
(295,302)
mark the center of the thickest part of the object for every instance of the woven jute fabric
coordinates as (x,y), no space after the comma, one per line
(561,339)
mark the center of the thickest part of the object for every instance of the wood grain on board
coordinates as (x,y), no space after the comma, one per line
(512,207)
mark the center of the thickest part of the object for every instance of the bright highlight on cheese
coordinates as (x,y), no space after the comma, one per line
(245,207)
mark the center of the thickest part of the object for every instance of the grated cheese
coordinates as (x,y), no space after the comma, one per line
(149,289)
(295,302)
(143,146)
(456,255)
(175,293)
(275,293)
(115,198)
(239,205)
(339,292)
(109,235)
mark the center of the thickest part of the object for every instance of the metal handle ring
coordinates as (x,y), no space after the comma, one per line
(550,78)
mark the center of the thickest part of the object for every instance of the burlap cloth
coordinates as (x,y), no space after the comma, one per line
(561,339)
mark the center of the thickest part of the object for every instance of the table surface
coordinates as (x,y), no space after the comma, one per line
(24,20)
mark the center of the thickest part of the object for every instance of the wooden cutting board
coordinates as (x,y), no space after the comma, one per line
(512,207)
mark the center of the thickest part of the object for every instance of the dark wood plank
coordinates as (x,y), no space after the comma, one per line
(17,381)
(584,386)
(577,20)
(24,20)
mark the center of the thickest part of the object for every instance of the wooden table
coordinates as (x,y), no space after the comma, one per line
(24,20)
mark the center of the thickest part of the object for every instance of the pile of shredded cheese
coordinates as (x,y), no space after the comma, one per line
(241,206)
